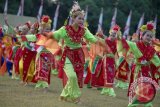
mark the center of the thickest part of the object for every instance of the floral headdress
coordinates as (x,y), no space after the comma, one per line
(75,8)
(45,20)
(115,28)
(149,26)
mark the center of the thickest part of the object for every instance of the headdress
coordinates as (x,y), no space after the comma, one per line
(75,8)
(45,20)
(149,26)
(74,12)
(116,29)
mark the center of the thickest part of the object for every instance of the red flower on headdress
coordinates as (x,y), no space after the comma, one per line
(45,19)
(116,28)
(150,26)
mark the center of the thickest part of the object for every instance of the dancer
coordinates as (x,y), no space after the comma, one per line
(72,61)
(145,55)
(44,57)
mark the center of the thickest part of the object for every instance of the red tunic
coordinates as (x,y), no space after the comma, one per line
(123,69)
(44,61)
(146,69)
(105,70)
(76,56)
(28,56)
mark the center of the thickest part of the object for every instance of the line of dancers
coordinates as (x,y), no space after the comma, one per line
(31,53)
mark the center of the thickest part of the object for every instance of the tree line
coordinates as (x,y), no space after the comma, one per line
(149,7)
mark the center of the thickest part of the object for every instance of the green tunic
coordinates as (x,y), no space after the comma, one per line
(62,34)
(71,90)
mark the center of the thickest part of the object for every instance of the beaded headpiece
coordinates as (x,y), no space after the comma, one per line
(75,8)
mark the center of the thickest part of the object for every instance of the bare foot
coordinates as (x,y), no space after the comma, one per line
(25,84)
(77,101)
(62,98)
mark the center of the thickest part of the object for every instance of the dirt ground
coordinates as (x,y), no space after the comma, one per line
(12,94)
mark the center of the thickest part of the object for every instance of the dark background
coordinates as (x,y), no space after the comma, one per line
(149,7)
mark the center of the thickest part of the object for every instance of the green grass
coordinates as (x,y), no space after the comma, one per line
(12,94)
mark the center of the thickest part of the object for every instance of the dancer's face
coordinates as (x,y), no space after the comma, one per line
(113,35)
(24,29)
(44,28)
(79,20)
(147,37)
(33,30)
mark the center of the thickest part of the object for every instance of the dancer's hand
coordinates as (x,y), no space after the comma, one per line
(101,42)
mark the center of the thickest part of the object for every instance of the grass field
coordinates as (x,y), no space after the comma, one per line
(12,94)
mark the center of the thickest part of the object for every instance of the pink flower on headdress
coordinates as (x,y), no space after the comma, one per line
(45,19)
(116,28)
(150,26)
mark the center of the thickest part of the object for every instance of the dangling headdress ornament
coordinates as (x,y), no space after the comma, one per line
(149,26)
(67,21)
(86,24)
(45,20)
